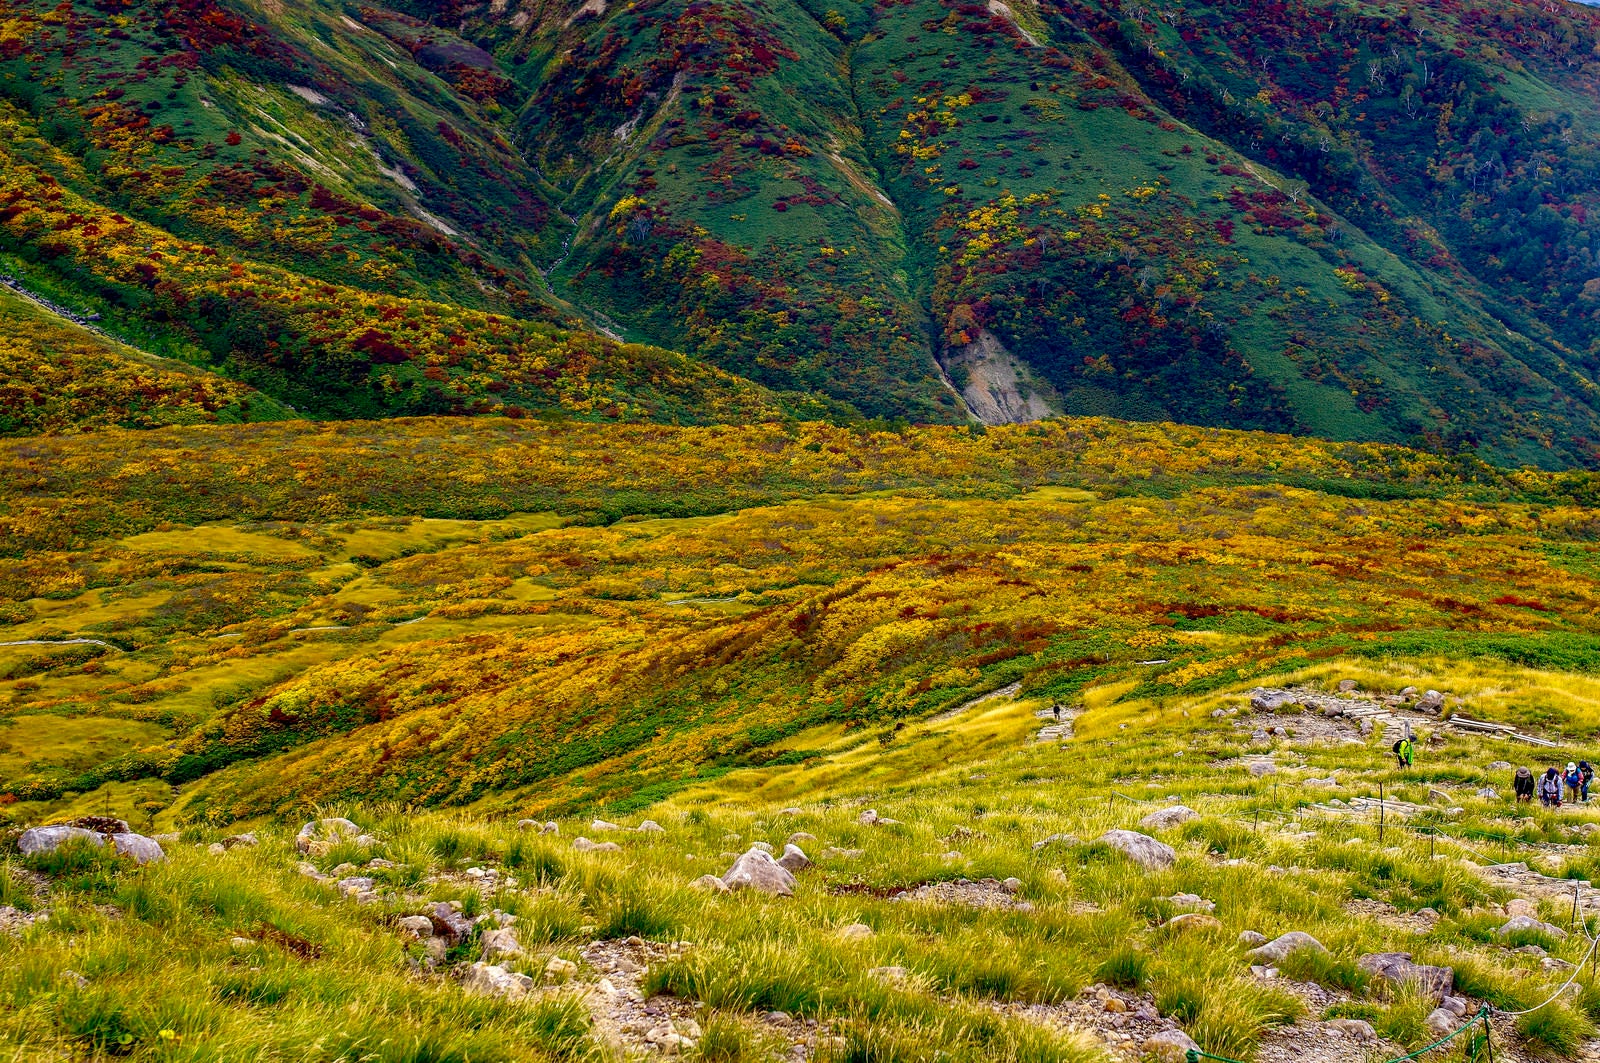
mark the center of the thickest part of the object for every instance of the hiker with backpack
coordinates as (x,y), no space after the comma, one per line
(1574,781)
(1403,752)
(1550,788)
(1587,771)
(1522,784)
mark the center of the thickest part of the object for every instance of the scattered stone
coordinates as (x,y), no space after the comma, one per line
(831,853)
(449,923)
(868,818)
(1396,969)
(1141,848)
(1347,685)
(1168,1046)
(1193,901)
(1490,793)
(1011,885)
(354,884)
(1067,840)
(1432,701)
(233,841)
(559,970)
(854,932)
(601,825)
(419,926)
(1440,1022)
(1168,817)
(490,980)
(790,811)
(1321,784)
(500,942)
(1520,923)
(650,826)
(1275,950)
(793,858)
(757,870)
(1355,1029)
(1259,768)
(530,824)
(799,836)
(1499,765)
(765,847)
(1252,938)
(1192,921)
(317,837)
(215,849)
(584,845)
(709,882)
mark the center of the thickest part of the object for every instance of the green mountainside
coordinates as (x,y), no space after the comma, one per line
(1343,220)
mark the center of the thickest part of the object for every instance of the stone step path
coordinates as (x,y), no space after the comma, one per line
(1056,732)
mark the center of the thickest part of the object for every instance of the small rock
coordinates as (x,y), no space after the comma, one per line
(1396,969)
(1518,923)
(650,826)
(1275,950)
(530,824)
(1011,885)
(710,882)
(854,932)
(491,980)
(419,926)
(1347,685)
(584,845)
(1499,765)
(1259,768)
(831,853)
(1168,817)
(1193,901)
(790,811)
(354,884)
(1192,921)
(1252,938)
(891,975)
(1067,840)
(216,849)
(793,858)
(602,825)
(49,839)
(559,970)
(449,923)
(798,837)
(499,943)
(1441,1023)
(868,818)
(1490,793)
(320,835)
(757,870)
(1355,1029)
(1141,848)
(1455,1006)
(765,847)
(1169,1046)
(233,841)
(1432,701)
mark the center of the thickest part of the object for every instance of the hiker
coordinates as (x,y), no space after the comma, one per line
(1403,751)
(1522,784)
(1587,771)
(1550,788)
(1056,708)
(1574,780)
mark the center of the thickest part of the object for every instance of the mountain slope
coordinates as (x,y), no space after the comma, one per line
(1318,218)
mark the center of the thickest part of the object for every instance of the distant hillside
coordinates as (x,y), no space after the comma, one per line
(1333,219)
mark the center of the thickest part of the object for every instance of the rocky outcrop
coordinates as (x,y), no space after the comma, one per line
(996,386)
(1396,969)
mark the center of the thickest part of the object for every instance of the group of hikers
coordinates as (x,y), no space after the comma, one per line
(1576,779)
(1548,786)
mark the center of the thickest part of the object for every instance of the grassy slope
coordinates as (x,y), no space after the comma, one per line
(317,978)
(270,592)
(60,376)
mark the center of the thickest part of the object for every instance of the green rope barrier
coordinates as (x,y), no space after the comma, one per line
(1195,1055)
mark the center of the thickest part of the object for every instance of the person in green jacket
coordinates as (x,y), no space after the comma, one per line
(1403,752)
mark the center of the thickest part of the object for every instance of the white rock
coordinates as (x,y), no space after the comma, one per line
(757,870)
(794,858)
(500,943)
(854,932)
(490,980)
(1528,923)
(1355,1029)
(1141,848)
(869,817)
(1168,817)
(650,826)
(559,970)
(601,825)
(419,926)
(584,845)
(1275,950)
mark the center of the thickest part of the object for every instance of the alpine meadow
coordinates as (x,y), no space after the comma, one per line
(799,531)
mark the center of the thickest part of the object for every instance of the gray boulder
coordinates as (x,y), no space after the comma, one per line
(417,925)
(1259,768)
(1521,923)
(756,870)
(1168,817)
(1396,969)
(1140,848)
(1275,950)
(49,839)
(355,884)
(1168,1046)
(500,942)
(793,858)
(1432,701)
